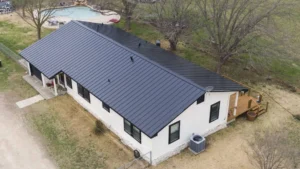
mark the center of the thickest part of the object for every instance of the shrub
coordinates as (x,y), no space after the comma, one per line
(99,127)
(297,116)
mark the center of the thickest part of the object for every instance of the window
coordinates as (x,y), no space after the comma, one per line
(214,112)
(201,99)
(83,92)
(80,89)
(69,82)
(106,106)
(127,127)
(136,134)
(132,130)
(174,132)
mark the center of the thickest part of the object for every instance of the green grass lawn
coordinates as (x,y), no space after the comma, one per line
(18,38)
(11,78)
(284,69)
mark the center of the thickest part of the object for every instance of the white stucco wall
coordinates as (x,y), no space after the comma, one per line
(195,119)
(112,120)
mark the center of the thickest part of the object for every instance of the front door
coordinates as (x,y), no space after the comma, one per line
(61,79)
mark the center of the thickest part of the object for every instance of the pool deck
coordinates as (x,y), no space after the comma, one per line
(104,18)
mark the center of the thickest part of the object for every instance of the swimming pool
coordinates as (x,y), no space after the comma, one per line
(76,13)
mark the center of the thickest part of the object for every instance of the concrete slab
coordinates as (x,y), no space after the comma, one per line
(29,101)
(46,93)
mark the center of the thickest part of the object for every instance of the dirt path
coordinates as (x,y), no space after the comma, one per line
(18,147)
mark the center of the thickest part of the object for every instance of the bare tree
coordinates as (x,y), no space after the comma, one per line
(232,25)
(125,8)
(272,150)
(172,19)
(20,4)
(38,12)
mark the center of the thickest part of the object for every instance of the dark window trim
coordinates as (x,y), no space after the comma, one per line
(69,82)
(81,93)
(131,130)
(212,120)
(178,122)
(105,106)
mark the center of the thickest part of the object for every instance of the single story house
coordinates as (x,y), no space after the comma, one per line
(149,97)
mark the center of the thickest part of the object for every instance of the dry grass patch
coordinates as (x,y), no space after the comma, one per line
(68,124)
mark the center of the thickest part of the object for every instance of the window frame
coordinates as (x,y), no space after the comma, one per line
(84,93)
(106,106)
(69,82)
(210,114)
(131,131)
(80,89)
(170,126)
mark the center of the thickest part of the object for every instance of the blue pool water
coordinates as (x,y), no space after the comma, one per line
(77,13)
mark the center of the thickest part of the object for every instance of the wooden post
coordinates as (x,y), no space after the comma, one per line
(249,92)
(267,106)
(249,104)
(236,104)
(260,98)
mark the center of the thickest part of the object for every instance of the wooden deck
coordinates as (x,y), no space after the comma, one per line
(244,104)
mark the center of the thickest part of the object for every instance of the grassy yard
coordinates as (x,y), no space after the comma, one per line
(285,70)
(18,36)
(11,78)
(70,137)
(63,147)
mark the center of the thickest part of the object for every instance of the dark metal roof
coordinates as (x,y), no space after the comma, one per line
(190,71)
(140,90)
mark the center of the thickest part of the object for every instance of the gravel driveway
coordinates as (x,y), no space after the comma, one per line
(19,148)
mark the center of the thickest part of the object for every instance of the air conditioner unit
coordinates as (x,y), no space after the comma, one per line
(197,144)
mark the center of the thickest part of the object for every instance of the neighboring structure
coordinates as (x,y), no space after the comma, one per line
(152,99)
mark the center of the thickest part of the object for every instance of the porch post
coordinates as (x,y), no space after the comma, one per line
(55,87)
(43,80)
(236,103)
(28,67)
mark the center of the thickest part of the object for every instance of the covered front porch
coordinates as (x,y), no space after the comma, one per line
(48,88)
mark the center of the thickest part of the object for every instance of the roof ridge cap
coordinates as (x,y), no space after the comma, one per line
(143,57)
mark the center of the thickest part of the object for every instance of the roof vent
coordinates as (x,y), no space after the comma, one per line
(108,80)
(140,44)
(131,58)
(157,43)
(209,88)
